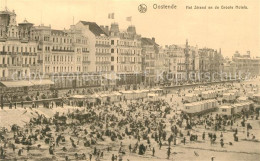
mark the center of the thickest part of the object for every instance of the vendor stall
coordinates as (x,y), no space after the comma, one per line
(153,96)
(157,91)
(114,97)
(129,95)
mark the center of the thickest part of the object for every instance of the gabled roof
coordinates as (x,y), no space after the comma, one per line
(148,41)
(94,28)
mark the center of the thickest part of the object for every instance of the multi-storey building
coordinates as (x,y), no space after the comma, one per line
(18,48)
(61,50)
(245,64)
(162,66)
(126,56)
(150,51)
(211,64)
(98,47)
(62,55)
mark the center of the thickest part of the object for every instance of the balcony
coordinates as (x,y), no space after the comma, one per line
(40,61)
(102,53)
(58,50)
(85,51)
(103,62)
(86,62)
(25,65)
(24,40)
(3,39)
(3,65)
(3,52)
(102,45)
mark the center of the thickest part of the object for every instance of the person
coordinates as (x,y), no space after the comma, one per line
(113,157)
(221,143)
(90,157)
(184,140)
(160,144)
(153,151)
(130,148)
(168,152)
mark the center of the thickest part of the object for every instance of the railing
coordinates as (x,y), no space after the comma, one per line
(58,50)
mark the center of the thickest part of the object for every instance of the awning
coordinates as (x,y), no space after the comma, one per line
(79,96)
(24,83)
(116,93)
(42,82)
(16,83)
(95,96)
(110,76)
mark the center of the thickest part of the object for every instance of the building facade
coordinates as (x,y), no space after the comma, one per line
(18,48)
(150,52)
(245,64)
(126,56)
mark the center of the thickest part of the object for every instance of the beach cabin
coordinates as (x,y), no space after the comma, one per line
(226,110)
(78,100)
(209,94)
(256,97)
(229,96)
(191,97)
(200,107)
(242,99)
(250,94)
(198,91)
(236,92)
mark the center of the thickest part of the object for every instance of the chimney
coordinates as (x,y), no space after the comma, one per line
(153,39)
(102,27)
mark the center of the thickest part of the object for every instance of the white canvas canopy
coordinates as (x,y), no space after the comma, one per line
(153,97)
(79,96)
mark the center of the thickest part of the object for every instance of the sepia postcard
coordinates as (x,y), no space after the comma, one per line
(129,80)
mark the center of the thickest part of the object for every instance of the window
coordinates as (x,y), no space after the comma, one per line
(112,68)
(112,50)
(112,58)
(112,42)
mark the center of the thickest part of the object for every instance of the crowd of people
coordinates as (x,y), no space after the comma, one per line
(114,130)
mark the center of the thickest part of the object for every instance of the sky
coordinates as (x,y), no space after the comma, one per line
(231,30)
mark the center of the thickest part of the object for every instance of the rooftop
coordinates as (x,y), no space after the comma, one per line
(94,28)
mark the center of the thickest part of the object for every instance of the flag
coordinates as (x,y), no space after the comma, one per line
(111,16)
(129,18)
